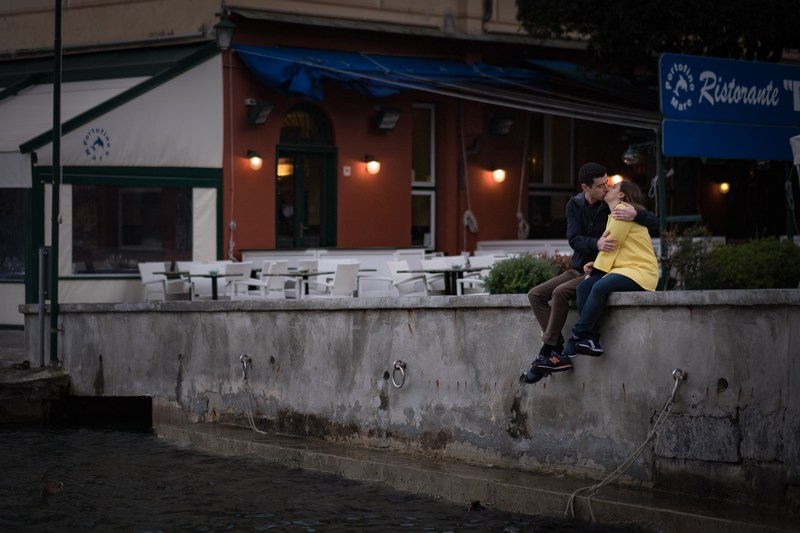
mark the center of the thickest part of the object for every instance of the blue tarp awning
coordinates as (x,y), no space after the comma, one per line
(303,72)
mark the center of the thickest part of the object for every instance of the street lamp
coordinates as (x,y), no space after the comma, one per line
(223,29)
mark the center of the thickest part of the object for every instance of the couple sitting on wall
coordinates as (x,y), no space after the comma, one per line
(607,228)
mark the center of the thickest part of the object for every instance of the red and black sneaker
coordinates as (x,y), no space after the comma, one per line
(553,363)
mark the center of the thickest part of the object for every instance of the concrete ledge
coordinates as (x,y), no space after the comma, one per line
(458,482)
(323,368)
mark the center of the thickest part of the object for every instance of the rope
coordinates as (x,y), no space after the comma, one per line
(231,224)
(679,376)
(523,228)
(249,402)
(469,220)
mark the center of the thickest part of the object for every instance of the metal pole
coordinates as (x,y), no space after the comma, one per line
(662,211)
(43,281)
(56,187)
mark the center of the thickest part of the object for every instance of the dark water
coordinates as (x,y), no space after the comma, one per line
(135,482)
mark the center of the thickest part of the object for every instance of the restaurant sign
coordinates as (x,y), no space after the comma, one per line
(724,90)
(727,108)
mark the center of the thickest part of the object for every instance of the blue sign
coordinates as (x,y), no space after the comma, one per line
(683,138)
(726,90)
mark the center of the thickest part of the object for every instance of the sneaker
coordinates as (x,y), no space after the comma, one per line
(569,349)
(554,363)
(589,347)
(532,376)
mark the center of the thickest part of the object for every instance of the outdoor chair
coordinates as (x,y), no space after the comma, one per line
(157,286)
(406,283)
(341,285)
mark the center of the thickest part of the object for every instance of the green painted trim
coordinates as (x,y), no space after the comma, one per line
(202,54)
(15,327)
(35,238)
(15,89)
(6,281)
(138,176)
(97,277)
(220,226)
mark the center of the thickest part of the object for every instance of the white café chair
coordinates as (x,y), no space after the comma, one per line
(342,285)
(157,287)
(407,283)
(234,273)
(268,285)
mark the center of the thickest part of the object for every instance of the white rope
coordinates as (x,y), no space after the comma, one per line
(523,228)
(469,220)
(250,408)
(679,377)
(231,162)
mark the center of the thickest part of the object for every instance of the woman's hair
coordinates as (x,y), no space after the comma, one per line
(633,194)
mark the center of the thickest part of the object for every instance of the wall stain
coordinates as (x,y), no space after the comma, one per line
(436,441)
(99,379)
(518,426)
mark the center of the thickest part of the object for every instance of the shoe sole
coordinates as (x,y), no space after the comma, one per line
(588,351)
(549,370)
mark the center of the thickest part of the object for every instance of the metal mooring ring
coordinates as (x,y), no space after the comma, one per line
(401,366)
(245,359)
(679,375)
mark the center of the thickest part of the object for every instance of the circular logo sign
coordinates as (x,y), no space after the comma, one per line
(96,144)
(679,84)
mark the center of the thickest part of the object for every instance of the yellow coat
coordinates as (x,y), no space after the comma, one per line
(634,256)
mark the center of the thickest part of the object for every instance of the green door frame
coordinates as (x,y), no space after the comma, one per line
(328,192)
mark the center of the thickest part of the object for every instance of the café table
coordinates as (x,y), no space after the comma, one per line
(173,274)
(213,277)
(302,277)
(451,275)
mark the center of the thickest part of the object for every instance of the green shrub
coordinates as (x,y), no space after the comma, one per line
(761,263)
(687,257)
(764,263)
(518,275)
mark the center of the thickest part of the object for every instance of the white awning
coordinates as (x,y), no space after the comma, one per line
(30,113)
(119,122)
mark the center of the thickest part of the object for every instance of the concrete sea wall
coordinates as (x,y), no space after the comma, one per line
(327,368)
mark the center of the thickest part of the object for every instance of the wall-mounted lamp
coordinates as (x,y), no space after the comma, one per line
(387,118)
(498,174)
(373,165)
(724,187)
(254,159)
(259,111)
(500,124)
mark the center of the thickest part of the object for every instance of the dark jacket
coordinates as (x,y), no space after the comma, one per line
(586,223)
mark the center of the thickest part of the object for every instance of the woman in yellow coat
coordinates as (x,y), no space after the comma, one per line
(632,266)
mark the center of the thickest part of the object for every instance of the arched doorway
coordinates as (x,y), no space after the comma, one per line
(305,180)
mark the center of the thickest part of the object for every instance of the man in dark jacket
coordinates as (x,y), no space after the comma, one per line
(587,215)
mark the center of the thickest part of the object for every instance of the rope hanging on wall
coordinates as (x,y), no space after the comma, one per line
(469,220)
(523,228)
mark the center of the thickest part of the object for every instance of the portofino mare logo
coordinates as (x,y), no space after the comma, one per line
(679,84)
(711,88)
(96,144)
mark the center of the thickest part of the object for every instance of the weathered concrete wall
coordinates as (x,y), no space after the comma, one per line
(324,368)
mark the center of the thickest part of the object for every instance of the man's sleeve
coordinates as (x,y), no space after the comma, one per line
(648,220)
(575,231)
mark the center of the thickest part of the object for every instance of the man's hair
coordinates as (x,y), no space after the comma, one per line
(590,172)
(633,194)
